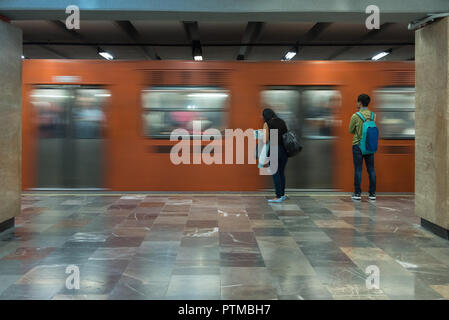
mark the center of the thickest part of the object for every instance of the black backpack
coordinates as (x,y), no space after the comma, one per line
(292,144)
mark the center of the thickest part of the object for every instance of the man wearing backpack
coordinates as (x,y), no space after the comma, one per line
(364,145)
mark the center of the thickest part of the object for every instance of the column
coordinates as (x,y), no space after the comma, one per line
(432,119)
(10,123)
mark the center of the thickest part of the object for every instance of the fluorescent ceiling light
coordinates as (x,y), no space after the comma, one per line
(198,58)
(103,95)
(289,55)
(105,55)
(380,55)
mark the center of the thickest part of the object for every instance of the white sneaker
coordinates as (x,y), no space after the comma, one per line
(284,198)
(276,200)
(356,196)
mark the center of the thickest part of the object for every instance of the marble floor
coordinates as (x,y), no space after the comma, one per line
(220,246)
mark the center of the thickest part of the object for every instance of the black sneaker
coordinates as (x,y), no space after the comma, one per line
(372,196)
(356,196)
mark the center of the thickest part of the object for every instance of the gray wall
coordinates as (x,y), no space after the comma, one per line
(10,120)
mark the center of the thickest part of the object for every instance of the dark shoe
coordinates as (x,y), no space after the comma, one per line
(372,196)
(356,196)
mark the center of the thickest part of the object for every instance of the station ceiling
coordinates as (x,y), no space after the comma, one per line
(254,41)
(224,29)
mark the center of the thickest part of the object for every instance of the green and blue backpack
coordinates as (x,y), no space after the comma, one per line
(370,135)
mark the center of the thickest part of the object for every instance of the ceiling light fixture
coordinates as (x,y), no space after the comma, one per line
(105,54)
(197,53)
(381,55)
(290,54)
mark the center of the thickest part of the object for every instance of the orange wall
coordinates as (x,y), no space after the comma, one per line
(131,164)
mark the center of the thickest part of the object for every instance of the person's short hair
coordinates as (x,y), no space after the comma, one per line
(364,99)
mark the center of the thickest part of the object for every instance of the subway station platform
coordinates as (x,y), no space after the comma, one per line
(224,246)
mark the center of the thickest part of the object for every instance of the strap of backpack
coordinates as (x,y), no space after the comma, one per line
(361,116)
(372,116)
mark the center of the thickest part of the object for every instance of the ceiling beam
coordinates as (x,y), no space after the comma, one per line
(250,35)
(192,30)
(314,32)
(311,35)
(362,39)
(268,44)
(193,35)
(54,51)
(128,28)
(72,33)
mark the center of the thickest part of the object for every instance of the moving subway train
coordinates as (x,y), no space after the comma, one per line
(107,124)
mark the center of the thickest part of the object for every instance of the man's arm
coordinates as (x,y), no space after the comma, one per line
(352,124)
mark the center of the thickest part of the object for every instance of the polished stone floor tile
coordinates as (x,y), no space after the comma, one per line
(408,287)
(302,287)
(220,246)
(199,286)
(29,254)
(30,292)
(296,267)
(443,290)
(251,292)
(8,280)
(185,269)
(241,259)
(148,271)
(198,253)
(129,288)
(310,236)
(119,253)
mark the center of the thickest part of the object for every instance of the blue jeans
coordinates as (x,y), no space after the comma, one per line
(279,176)
(358,165)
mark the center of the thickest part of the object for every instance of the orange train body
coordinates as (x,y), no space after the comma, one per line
(131,161)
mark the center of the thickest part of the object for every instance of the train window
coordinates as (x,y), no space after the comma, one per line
(396,113)
(169,108)
(320,107)
(70,112)
(285,102)
(50,105)
(308,111)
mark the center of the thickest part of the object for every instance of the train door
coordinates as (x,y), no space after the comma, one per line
(310,112)
(70,121)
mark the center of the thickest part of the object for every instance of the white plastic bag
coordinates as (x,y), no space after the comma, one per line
(263,154)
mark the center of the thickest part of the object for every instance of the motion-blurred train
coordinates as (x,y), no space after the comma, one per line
(107,124)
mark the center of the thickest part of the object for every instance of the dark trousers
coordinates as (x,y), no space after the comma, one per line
(279,176)
(358,165)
